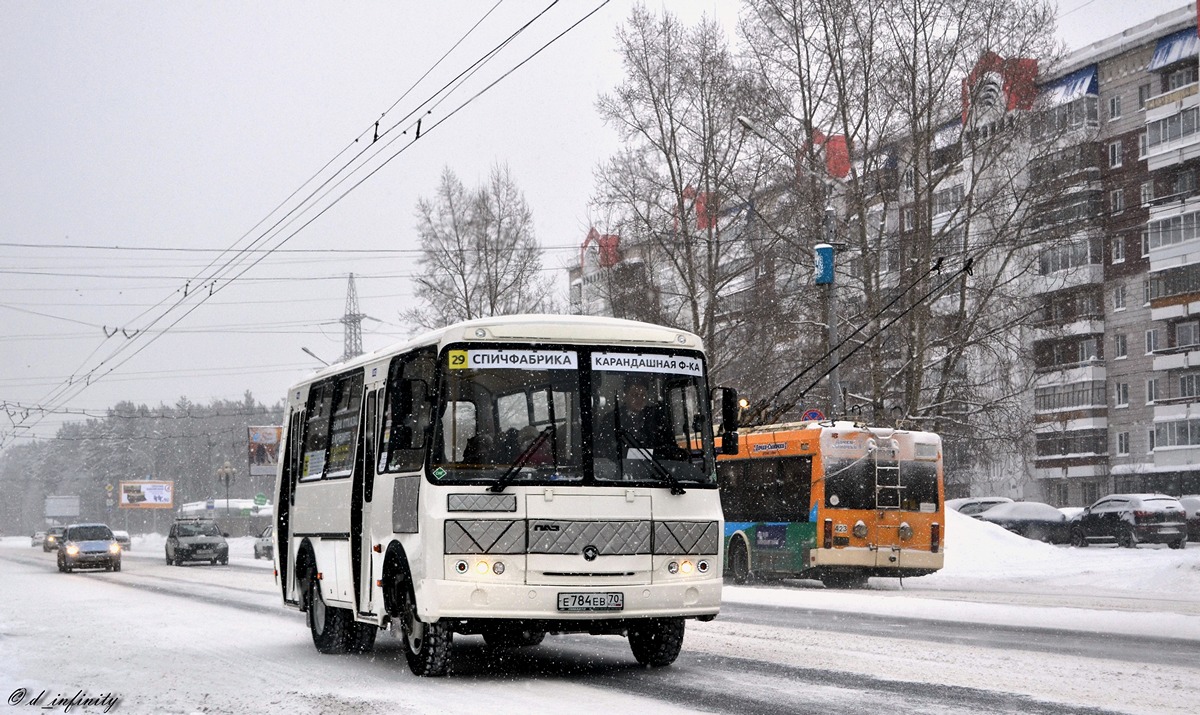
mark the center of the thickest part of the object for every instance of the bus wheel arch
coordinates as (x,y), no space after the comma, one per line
(426,645)
(739,558)
(305,571)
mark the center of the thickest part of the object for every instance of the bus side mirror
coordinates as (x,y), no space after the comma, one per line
(729,420)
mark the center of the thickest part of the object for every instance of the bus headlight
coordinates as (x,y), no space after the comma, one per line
(673,568)
(498,568)
(686,568)
(906,531)
(860,529)
(482,567)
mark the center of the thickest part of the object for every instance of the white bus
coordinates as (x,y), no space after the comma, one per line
(507,477)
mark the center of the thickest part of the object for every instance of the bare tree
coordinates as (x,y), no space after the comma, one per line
(676,187)
(938,178)
(479,254)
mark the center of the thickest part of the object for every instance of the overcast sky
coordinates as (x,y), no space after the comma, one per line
(171,130)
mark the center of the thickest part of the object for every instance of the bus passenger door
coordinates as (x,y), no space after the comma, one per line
(361,555)
(292,460)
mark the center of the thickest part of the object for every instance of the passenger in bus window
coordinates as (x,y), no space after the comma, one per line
(643,423)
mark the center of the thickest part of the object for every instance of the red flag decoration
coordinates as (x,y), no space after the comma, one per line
(837,156)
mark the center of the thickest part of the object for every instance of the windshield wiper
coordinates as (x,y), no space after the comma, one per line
(656,466)
(522,459)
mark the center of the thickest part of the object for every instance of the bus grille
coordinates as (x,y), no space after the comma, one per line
(610,538)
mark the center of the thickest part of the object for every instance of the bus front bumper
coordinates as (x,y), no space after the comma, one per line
(438,599)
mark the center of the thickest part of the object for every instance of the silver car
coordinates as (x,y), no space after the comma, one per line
(264,547)
(196,540)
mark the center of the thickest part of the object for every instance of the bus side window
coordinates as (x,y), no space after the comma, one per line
(731,477)
(797,487)
(407,412)
(765,493)
(343,433)
(316,431)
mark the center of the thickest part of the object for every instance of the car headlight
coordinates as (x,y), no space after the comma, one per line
(72,550)
(114,548)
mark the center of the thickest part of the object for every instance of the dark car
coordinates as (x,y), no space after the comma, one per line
(1031,519)
(1131,519)
(1191,506)
(88,546)
(196,540)
(53,534)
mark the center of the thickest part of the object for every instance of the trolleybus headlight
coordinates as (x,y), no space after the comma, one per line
(906,531)
(482,567)
(860,529)
(461,566)
(686,567)
(673,568)
(498,568)
(702,567)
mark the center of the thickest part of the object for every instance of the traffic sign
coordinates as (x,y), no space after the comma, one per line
(813,415)
(209,504)
(260,499)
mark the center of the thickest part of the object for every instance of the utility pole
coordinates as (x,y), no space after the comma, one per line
(823,275)
(353,322)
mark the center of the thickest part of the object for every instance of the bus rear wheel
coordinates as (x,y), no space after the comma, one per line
(656,642)
(426,645)
(329,626)
(739,562)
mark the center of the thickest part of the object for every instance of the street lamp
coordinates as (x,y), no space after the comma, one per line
(226,473)
(823,270)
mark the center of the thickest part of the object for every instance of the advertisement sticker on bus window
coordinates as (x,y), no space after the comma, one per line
(512,359)
(637,362)
(770,536)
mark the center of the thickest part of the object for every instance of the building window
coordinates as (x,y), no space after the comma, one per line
(1121,348)
(1152,391)
(1182,77)
(1145,246)
(1189,385)
(1114,154)
(1187,334)
(1153,340)
(1143,95)
(1091,492)
(909,217)
(1174,127)
(1119,298)
(1180,433)
(1116,200)
(1122,443)
(908,179)
(1121,394)
(1147,194)
(1114,107)
(1151,441)
(1088,350)
(1118,249)
(1145,292)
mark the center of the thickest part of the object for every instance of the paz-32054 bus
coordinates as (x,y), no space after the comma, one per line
(507,477)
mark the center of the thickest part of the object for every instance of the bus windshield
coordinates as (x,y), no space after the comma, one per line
(858,484)
(511,416)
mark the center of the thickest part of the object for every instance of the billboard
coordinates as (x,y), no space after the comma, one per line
(264,450)
(147,495)
(64,506)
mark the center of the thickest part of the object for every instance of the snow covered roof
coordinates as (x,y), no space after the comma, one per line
(1174,48)
(1067,89)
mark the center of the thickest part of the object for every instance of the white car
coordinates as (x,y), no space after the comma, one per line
(974,506)
(264,548)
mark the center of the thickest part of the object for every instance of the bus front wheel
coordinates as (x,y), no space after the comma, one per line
(427,645)
(739,562)
(656,641)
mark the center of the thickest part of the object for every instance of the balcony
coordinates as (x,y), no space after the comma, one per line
(1067,373)
(1177,359)
(1175,95)
(1069,278)
(1183,145)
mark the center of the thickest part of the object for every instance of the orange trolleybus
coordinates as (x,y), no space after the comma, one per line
(834,501)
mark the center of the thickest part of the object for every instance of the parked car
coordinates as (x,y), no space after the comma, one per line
(123,539)
(974,506)
(53,534)
(196,540)
(88,545)
(38,538)
(1131,519)
(264,548)
(1191,505)
(1031,519)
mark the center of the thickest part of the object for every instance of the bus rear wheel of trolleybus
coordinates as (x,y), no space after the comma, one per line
(655,642)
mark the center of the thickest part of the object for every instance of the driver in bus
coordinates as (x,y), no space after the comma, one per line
(643,424)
